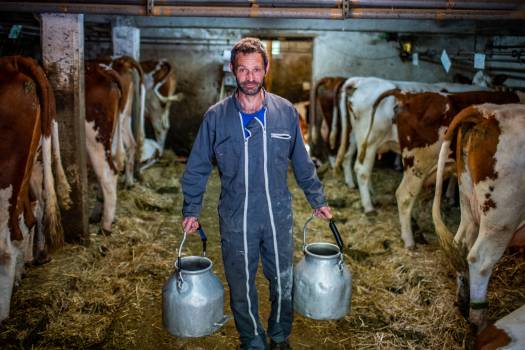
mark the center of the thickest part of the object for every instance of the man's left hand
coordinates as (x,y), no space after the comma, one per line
(323,213)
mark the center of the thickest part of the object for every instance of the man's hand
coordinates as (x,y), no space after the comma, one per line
(323,213)
(190,224)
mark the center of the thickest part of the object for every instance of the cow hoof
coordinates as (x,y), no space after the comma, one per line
(102,231)
(410,247)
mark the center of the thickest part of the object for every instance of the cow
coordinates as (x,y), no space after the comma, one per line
(506,333)
(303,109)
(358,95)
(28,149)
(329,133)
(129,143)
(489,143)
(106,98)
(421,120)
(161,84)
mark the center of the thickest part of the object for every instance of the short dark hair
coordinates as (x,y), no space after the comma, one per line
(249,45)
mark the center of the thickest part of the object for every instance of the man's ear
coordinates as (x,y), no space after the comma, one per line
(231,68)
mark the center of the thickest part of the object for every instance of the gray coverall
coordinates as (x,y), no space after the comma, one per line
(255,210)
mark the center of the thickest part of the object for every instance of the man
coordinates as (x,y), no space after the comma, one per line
(252,135)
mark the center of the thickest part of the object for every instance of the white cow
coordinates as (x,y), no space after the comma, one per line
(490,165)
(358,95)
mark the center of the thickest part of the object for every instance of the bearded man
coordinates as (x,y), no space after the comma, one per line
(253,135)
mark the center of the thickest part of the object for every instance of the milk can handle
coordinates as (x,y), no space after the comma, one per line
(304,229)
(203,239)
(333,228)
(336,234)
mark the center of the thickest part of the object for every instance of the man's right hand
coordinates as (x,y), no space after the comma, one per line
(190,224)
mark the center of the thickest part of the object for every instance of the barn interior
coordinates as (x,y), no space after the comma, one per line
(104,292)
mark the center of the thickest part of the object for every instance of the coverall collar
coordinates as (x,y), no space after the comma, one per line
(237,104)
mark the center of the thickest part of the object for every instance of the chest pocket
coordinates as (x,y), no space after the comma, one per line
(281,144)
(227,156)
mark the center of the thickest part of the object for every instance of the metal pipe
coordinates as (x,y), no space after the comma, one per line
(197,11)
(190,11)
(372,13)
(439,4)
(212,3)
(250,3)
(255,11)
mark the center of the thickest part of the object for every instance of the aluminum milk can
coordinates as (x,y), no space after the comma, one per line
(322,282)
(193,297)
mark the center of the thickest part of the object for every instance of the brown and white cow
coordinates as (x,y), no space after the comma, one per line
(128,143)
(358,95)
(506,333)
(106,99)
(161,84)
(422,120)
(303,109)
(28,147)
(329,133)
(489,143)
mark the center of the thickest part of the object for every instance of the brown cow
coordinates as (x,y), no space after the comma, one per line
(489,141)
(27,187)
(421,120)
(161,83)
(106,98)
(129,144)
(507,333)
(303,109)
(329,133)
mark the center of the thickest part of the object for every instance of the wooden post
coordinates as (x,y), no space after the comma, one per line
(63,56)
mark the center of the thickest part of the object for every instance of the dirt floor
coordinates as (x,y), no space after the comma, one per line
(108,295)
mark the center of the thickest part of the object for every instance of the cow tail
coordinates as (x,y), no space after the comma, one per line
(139,94)
(63,188)
(391,92)
(118,159)
(52,220)
(343,147)
(456,252)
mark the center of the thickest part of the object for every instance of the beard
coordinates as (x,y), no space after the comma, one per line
(249,90)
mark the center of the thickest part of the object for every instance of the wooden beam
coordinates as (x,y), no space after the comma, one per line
(63,56)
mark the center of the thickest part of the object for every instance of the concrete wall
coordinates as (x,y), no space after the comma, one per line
(197,57)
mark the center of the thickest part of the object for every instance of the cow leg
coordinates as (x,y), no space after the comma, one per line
(130,146)
(106,176)
(450,194)
(488,249)
(347,163)
(36,185)
(8,255)
(96,213)
(406,195)
(398,164)
(363,172)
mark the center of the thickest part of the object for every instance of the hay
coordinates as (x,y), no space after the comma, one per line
(108,295)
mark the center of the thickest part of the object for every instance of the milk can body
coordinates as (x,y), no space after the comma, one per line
(322,283)
(193,297)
